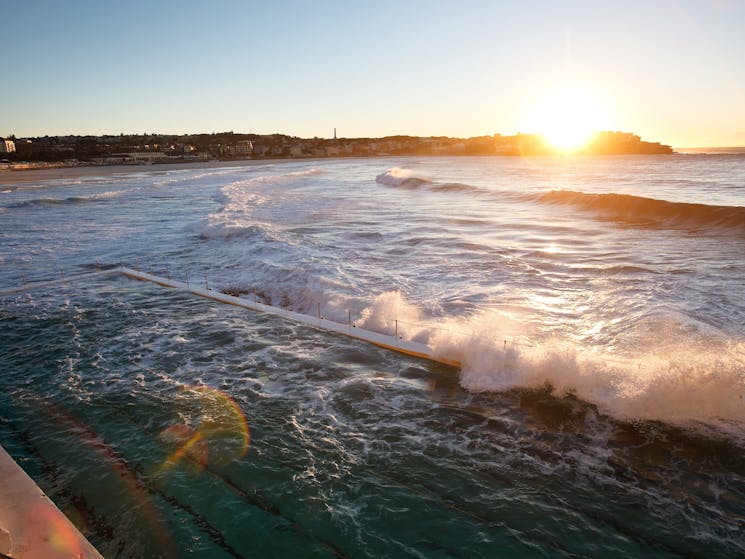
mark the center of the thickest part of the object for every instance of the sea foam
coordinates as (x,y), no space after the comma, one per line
(239,199)
(679,383)
(682,382)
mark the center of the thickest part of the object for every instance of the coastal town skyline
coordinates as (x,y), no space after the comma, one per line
(73,151)
(668,71)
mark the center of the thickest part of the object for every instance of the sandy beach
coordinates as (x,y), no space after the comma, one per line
(24,176)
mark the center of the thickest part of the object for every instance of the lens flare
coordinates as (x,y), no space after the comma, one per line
(215,431)
(130,486)
(52,533)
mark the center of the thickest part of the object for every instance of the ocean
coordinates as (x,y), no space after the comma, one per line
(595,304)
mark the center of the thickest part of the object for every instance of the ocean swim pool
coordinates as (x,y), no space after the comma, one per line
(356,451)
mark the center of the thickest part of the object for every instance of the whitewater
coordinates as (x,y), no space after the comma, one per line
(594,304)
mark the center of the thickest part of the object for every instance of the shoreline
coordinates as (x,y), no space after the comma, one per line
(10,177)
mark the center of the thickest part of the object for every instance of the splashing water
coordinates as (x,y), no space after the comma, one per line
(598,411)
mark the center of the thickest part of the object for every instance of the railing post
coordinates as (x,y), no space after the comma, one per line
(397,330)
(318,306)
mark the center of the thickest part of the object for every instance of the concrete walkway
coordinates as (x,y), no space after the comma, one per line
(31,526)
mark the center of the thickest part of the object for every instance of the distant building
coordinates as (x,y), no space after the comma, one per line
(147,156)
(244,148)
(7,146)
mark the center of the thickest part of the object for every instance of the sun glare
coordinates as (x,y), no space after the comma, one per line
(567,119)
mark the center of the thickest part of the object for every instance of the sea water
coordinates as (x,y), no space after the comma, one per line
(596,305)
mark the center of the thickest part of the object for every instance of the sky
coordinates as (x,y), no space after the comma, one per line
(669,70)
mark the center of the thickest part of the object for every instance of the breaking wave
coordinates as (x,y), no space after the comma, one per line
(103,196)
(677,385)
(405,178)
(686,382)
(399,177)
(239,198)
(650,211)
(240,194)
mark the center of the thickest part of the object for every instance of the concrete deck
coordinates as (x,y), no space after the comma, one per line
(31,526)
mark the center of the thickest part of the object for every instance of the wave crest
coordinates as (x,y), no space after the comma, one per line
(687,382)
(679,386)
(67,201)
(681,383)
(238,199)
(650,211)
(405,178)
(396,176)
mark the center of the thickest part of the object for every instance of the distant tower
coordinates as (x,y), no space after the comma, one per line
(334,133)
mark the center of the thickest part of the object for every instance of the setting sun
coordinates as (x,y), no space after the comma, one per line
(567,119)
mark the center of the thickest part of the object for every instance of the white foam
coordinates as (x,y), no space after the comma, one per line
(676,384)
(239,200)
(389,312)
(686,381)
(106,195)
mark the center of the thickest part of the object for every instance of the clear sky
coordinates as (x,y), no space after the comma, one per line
(669,70)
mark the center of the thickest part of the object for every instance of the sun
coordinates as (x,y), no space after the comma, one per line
(567,118)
